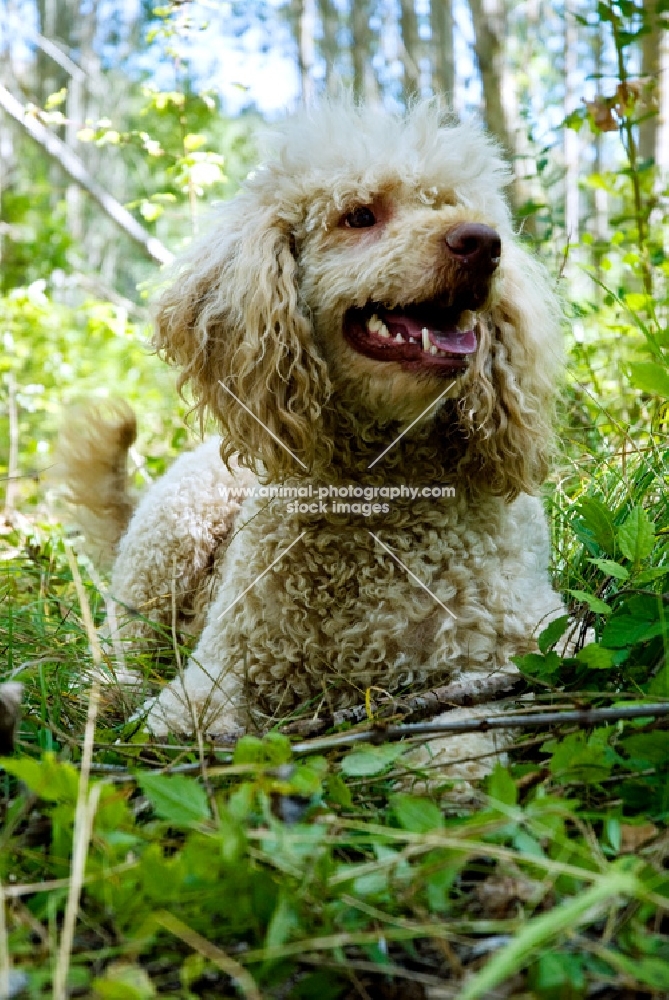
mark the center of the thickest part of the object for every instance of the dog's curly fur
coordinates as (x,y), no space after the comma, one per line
(259,307)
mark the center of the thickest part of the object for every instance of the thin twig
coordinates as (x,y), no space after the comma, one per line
(463,692)
(586,718)
(379,733)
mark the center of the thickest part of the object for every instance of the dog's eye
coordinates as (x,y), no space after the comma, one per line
(360,218)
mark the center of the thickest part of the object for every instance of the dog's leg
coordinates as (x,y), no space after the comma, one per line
(203,699)
(211,695)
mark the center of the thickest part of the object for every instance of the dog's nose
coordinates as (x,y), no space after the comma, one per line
(476,246)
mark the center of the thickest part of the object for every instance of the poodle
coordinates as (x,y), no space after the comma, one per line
(381,354)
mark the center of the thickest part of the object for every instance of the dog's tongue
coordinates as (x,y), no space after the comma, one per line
(452,340)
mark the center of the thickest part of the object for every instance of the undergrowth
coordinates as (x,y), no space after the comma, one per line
(274,872)
(278,869)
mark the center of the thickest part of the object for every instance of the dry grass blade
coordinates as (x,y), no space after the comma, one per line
(86,802)
(215,955)
(5,963)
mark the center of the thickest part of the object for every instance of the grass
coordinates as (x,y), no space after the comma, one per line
(309,869)
(137,871)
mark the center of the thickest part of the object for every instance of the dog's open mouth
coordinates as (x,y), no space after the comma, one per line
(421,337)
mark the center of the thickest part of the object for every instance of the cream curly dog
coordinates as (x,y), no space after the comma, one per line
(361,315)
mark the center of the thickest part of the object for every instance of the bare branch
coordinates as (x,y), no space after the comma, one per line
(76,170)
(380,733)
(472,691)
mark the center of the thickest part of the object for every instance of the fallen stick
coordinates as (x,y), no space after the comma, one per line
(468,693)
(380,732)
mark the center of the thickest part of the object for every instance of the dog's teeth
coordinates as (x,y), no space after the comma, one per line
(399,339)
(426,338)
(432,349)
(377,326)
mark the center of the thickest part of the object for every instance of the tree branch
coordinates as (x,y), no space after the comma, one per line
(76,170)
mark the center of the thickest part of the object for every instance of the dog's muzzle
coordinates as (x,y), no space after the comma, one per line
(438,335)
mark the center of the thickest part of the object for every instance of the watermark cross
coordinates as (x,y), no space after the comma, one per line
(412,575)
(259,421)
(412,424)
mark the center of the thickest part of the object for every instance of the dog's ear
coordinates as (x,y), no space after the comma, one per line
(509,410)
(231,320)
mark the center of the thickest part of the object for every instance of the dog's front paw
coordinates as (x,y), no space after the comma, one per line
(174,712)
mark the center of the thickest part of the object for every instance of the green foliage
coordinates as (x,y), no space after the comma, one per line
(55,354)
(264,872)
(37,241)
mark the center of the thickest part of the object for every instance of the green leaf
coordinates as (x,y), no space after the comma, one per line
(594,603)
(654,972)
(557,975)
(124,982)
(651,747)
(554,631)
(651,377)
(596,519)
(55,100)
(527,844)
(368,761)
(415,814)
(284,921)
(611,568)
(48,777)
(536,665)
(273,749)
(194,141)
(501,786)
(636,301)
(595,657)
(277,748)
(439,872)
(337,792)
(579,759)
(150,211)
(176,798)
(652,574)
(249,750)
(575,119)
(624,630)
(636,536)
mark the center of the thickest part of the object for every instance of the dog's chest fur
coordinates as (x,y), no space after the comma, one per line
(337,613)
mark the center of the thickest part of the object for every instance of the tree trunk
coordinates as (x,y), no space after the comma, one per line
(570,136)
(489,20)
(410,50)
(650,69)
(329,45)
(307,46)
(662,131)
(654,131)
(601,197)
(443,59)
(361,53)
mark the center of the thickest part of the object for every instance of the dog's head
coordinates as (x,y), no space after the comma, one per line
(367,267)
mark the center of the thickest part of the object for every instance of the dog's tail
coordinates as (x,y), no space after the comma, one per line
(91,471)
